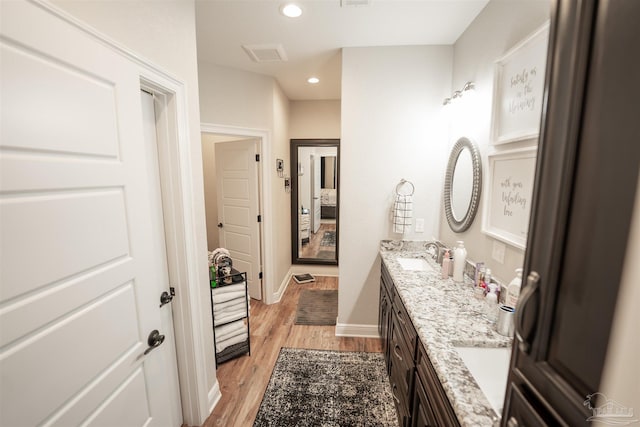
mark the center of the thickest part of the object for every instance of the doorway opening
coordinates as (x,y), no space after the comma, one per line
(233,209)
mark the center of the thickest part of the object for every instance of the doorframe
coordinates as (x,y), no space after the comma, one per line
(264,201)
(187,267)
(258,146)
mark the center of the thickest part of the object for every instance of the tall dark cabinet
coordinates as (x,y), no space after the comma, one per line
(586,179)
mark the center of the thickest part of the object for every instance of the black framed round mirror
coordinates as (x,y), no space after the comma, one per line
(462,185)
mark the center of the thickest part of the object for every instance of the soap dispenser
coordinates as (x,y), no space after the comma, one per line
(459,261)
(446,265)
(513,291)
(491,303)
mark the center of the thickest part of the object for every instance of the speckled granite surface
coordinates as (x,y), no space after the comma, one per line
(445,314)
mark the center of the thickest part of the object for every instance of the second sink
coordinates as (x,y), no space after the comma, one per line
(490,368)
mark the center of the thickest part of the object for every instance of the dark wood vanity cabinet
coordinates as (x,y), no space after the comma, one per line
(586,177)
(384,314)
(418,395)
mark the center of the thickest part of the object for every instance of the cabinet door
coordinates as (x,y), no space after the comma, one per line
(422,415)
(383,322)
(586,180)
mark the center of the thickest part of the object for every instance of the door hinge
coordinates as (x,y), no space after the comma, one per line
(172,291)
(259,218)
(257,157)
(260,275)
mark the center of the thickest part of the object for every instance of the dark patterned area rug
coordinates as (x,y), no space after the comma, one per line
(328,238)
(317,307)
(328,389)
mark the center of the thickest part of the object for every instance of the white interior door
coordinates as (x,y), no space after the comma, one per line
(316,180)
(82,258)
(237,177)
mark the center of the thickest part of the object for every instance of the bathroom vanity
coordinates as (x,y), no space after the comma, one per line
(435,336)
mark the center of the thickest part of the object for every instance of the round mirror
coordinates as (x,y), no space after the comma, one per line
(462,185)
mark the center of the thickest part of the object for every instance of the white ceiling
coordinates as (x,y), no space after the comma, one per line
(313,41)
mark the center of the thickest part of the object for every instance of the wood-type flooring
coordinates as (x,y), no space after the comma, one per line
(243,381)
(313,248)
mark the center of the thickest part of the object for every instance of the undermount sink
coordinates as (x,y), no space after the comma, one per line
(490,368)
(414,264)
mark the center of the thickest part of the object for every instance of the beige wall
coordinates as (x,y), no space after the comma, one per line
(230,97)
(164,33)
(234,97)
(621,376)
(315,119)
(281,199)
(499,26)
(392,128)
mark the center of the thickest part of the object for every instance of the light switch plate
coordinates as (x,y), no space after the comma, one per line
(498,251)
(419,225)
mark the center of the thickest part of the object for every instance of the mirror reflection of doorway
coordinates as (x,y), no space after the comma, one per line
(314,212)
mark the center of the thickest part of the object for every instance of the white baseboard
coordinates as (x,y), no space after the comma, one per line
(351,330)
(214,396)
(277,296)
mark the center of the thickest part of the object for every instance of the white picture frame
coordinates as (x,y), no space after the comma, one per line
(518,89)
(508,194)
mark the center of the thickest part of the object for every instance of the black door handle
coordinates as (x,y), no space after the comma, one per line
(219,225)
(166,297)
(154,341)
(524,342)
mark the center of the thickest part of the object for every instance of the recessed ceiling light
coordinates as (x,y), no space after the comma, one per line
(313,80)
(291,10)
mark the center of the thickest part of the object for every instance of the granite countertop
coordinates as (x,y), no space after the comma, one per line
(445,314)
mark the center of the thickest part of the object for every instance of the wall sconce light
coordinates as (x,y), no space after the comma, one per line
(458,93)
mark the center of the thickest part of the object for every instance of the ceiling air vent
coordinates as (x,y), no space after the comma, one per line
(347,3)
(265,52)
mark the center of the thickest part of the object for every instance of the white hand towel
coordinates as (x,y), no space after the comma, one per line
(231,341)
(231,302)
(231,316)
(231,333)
(402,213)
(230,308)
(218,298)
(228,289)
(229,327)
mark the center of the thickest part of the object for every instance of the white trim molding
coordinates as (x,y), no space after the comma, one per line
(214,396)
(353,330)
(277,296)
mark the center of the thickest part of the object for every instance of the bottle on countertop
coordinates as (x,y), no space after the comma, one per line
(491,303)
(478,291)
(459,261)
(446,265)
(513,291)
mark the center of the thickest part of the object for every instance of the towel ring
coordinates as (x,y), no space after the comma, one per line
(399,186)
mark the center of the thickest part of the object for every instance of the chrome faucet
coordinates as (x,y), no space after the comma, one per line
(438,250)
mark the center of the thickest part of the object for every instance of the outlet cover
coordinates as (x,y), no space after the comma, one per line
(498,251)
(419,225)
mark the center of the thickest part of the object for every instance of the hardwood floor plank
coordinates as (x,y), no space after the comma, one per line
(244,380)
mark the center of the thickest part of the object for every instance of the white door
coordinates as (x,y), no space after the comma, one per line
(316,179)
(82,259)
(237,177)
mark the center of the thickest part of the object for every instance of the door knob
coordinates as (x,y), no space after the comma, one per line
(167,297)
(219,225)
(154,341)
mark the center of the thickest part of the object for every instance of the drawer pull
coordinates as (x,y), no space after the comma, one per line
(393,390)
(400,318)
(395,351)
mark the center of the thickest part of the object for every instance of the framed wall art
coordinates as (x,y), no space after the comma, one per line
(518,89)
(508,195)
